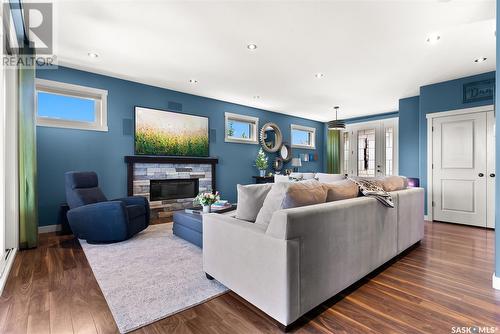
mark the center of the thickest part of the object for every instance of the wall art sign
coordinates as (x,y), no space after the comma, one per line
(479,90)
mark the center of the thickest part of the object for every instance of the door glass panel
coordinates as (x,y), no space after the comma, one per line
(366,152)
(389,151)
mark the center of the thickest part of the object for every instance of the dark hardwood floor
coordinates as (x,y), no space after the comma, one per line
(445,282)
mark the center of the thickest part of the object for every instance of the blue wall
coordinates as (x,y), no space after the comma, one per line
(61,150)
(439,97)
(408,136)
(372,117)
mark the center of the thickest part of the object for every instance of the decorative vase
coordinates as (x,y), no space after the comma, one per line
(207,208)
(262,172)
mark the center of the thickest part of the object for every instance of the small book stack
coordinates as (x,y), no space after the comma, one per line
(221,204)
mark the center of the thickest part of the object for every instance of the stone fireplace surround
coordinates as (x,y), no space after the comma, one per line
(142,169)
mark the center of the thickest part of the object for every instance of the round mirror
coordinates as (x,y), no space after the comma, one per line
(286,152)
(278,164)
(271,137)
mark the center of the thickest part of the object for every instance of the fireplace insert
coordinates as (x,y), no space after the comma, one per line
(167,189)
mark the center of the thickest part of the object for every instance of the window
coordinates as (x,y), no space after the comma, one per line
(303,136)
(241,129)
(70,106)
(389,139)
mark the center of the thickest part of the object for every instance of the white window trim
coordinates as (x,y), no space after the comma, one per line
(304,128)
(100,97)
(254,137)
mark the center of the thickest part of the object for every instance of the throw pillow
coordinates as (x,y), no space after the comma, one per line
(290,195)
(250,200)
(394,183)
(340,190)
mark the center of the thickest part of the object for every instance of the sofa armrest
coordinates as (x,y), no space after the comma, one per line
(136,200)
(261,269)
(99,221)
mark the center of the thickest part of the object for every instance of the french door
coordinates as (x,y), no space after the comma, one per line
(370,148)
(463,168)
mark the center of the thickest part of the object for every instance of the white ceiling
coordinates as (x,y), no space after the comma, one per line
(372,53)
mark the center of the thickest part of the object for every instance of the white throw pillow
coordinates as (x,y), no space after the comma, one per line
(281,178)
(307,176)
(327,178)
(290,195)
(250,200)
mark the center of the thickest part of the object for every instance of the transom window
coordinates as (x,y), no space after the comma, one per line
(303,136)
(241,129)
(70,106)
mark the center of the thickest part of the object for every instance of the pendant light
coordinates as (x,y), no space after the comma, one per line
(337,124)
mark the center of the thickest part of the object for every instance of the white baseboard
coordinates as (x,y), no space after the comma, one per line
(496,282)
(426,217)
(49,228)
(8,265)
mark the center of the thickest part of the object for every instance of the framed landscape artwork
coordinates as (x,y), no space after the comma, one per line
(159,132)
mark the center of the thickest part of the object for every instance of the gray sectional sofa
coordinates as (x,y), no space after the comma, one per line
(308,254)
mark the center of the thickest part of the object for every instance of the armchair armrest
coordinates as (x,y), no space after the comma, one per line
(136,200)
(99,221)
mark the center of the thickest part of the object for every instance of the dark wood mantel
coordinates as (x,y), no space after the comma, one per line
(130,160)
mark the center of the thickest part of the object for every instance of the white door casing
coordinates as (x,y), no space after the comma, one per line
(490,169)
(461,166)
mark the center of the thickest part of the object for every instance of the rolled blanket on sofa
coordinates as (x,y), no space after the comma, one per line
(371,188)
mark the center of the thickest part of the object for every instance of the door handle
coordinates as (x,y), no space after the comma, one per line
(480,174)
(492,175)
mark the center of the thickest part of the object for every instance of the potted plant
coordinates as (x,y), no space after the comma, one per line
(261,162)
(206,200)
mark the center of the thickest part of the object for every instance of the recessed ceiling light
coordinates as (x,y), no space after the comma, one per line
(256,97)
(433,38)
(92,55)
(319,75)
(193,81)
(252,46)
(480,59)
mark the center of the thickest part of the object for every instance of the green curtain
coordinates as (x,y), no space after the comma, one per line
(28,202)
(333,151)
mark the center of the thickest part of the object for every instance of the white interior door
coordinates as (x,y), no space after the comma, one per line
(460,174)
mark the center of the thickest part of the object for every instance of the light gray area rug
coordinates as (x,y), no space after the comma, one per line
(151,276)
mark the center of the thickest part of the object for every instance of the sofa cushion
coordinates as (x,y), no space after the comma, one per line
(281,178)
(308,176)
(340,190)
(250,200)
(290,195)
(327,178)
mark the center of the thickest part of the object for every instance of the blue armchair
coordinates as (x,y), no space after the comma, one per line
(93,218)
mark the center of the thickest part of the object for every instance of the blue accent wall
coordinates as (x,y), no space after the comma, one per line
(408,136)
(61,150)
(497,156)
(369,118)
(440,97)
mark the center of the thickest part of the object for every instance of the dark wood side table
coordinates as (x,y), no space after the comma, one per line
(263,179)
